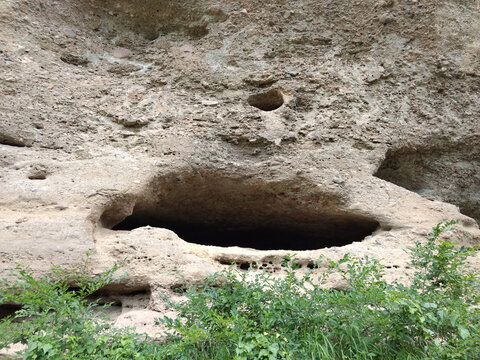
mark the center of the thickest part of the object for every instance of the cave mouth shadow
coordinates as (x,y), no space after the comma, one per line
(446,172)
(272,237)
(211,207)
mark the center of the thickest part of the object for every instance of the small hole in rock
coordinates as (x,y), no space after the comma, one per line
(224,262)
(37,176)
(114,290)
(8,310)
(244,266)
(267,101)
(178,288)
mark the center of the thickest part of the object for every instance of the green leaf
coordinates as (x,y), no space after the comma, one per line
(47,347)
(430,305)
(463,332)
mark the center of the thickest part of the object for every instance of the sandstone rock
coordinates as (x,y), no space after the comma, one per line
(276,131)
(74,59)
(69,32)
(209,102)
(338,180)
(121,53)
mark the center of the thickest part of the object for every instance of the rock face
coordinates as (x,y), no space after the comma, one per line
(186,136)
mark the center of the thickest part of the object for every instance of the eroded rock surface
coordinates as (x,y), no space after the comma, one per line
(184,137)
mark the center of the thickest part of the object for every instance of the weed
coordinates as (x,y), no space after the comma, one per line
(295,318)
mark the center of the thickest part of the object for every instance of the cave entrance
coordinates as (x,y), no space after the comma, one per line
(276,237)
(209,209)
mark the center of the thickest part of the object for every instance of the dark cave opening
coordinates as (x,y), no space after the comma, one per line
(214,208)
(272,237)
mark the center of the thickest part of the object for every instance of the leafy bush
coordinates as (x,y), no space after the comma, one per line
(235,317)
(246,316)
(58,322)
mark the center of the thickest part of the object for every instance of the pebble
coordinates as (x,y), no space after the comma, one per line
(209,102)
(292,71)
(121,53)
(186,48)
(69,32)
(338,180)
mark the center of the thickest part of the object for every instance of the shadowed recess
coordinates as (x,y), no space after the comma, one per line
(9,140)
(267,101)
(209,209)
(9,310)
(262,238)
(448,172)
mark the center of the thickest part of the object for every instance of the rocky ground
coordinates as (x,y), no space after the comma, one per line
(184,137)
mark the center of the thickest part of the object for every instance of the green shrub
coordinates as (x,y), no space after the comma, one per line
(234,317)
(246,316)
(58,322)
